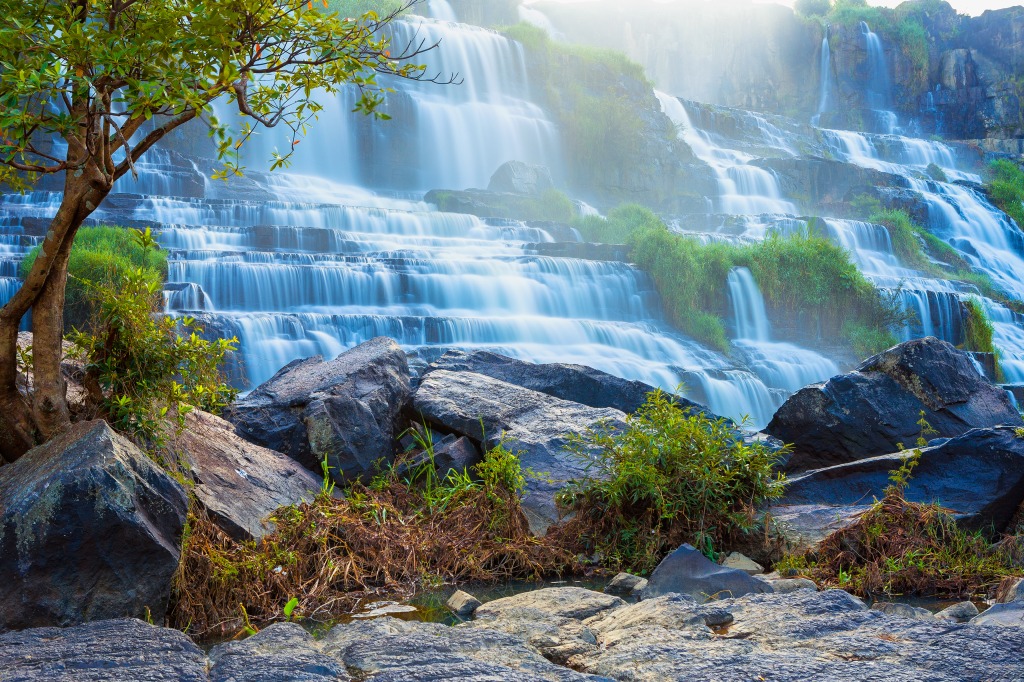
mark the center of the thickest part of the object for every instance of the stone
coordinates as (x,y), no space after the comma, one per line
(960,613)
(625,584)
(535,425)
(237,482)
(787,585)
(557,602)
(575,383)
(104,651)
(1014,592)
(870,411)
(671,612)
(903,610)
(90,529)
(979,476)
(518,177)
(349,407)
(804,526)
(282,651)
(1003,615)
(455,454)
(687,571)
(463,604)
(741,562)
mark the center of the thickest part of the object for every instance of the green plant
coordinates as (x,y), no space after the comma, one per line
(813,8)
(978,329)
(143,371)
(670,476)
(289,608)
(1006,188)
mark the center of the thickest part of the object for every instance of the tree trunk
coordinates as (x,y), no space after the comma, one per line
(43,292)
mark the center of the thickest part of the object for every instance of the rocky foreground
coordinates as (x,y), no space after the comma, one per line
(562,634)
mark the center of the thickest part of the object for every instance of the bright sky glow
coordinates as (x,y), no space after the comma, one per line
(972,7)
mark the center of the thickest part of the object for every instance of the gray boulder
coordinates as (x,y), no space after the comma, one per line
(575,383)
(625,584)
(872,410)
(979,475)
(349,408)
(533,424)
(519,177)
(958,613)
(1008,609)
(237,482)
(687,571)
(456,454)
(90,529)
(105,651)
(282,651)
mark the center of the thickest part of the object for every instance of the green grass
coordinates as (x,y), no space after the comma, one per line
(978,328)
(101,255)
(1006,188)
(671,476)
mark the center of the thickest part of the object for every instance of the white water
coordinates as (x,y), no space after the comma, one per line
(825,88)
(879,90)
(441,10)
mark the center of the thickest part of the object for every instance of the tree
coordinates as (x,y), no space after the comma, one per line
(111,78)
(813,8)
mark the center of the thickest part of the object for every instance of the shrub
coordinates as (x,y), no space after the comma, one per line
(670,476)
(100,256)
(813,8)
(978,328)
(145,372)
(1007,188)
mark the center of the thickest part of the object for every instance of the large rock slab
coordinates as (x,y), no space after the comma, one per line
(283,651)
(90,528)
(239,483)
(979,476)
(348,408)
(535,425)
(520,177)
(687,571)
(872,410)
(575,383)
(105,651)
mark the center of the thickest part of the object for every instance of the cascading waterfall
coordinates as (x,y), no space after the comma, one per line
(879,85)
(825,92)
(441,10)
(537,18)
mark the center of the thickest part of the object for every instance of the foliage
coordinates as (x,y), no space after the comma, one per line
(359,8)
(978,328)
(100,256)
(617,227)
(813,8)
(551,204)
(144,371)
(407,529)
(670,476)
(1007,188)
(902,27)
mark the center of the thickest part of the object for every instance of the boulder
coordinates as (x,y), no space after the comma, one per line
(535,425)
(554,602)
(349,408)
(979,476)
(958,613)
(282,651)
(125,650)
(741,562)
(787,585)
(90,528)
(1008,609)
(902,610)
(518,177)
(575,383)
(804,526)
(625,584)
(456,454)
(687,571)
(872,410)
(237,482)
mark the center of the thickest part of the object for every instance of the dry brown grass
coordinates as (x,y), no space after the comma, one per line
(334,552)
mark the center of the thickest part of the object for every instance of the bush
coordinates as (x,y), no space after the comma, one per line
(813,8)
(100,256)
(145,372)
(978,328)
(671,476)
(1007,189)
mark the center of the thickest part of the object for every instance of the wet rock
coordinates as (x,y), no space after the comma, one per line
(239,483)
(903,610)
(741,562)
(575,383)
(559,602)
(687,571)
(1008,609)
(105,651)
(463,604)
(979,476)
(283,651)
(531,423)
(625,584)
(519,177)
(90,528)
(787,585)
(960,613)
(870,411)
(349,407)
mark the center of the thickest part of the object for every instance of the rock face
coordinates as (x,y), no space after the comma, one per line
(239,483)
(980,476)
(518,177)
(870,411)
(534,424)
(687,571)
(801,635)
(575,383)
(349,407)
(90,529)
(1008,609)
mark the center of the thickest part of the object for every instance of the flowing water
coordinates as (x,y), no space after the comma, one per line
(825,89)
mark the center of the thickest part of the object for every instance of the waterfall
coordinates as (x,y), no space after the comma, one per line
(743,189)
(749,313)
(441,10)
(879,85)
(825,94)
(537,18)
